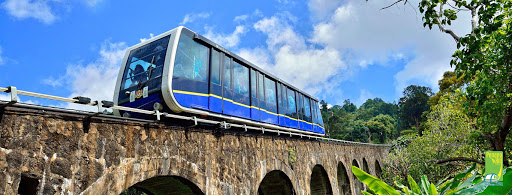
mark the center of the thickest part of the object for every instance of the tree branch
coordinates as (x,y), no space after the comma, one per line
(442,28)
(398,1)
(460,159)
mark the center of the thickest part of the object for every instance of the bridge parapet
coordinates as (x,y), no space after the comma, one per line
(54,152)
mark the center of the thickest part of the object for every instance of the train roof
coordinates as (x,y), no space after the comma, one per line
(218,47)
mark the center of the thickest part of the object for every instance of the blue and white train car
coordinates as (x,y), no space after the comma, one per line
(189,74)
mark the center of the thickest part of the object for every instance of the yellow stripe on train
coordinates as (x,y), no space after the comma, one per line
(229,100)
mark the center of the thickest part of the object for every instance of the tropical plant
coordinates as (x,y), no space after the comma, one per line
(469,181)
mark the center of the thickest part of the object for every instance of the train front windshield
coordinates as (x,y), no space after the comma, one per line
(143,70)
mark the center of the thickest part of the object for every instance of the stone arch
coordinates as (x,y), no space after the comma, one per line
(276,182)
(319,183)
(358,185)
(343,180)
(164,185)
(366,169)
(378,169)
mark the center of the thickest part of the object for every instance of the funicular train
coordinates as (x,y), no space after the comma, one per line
(183,72)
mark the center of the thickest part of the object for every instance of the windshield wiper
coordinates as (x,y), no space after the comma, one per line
(150,69)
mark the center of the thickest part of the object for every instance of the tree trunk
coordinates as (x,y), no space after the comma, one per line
(417,120)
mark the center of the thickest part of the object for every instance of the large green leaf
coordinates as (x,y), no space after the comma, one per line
(432,190)
(414,186)
(424,185)
(375,184)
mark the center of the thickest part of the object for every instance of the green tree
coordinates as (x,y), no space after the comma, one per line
(448,84)
(484,56)
(349,106)
(412,105)
(380,128)
(447,138)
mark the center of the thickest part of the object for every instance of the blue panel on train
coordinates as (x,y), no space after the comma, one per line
(268,117)
(255,114)
(240,111)
(292,123)
(282,121)
(192,101)
(215,104)
(144,104)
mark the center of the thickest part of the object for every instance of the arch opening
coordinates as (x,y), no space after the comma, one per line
(172,185)
(343,180)
(276,182)
(378,169)
(358,185)
(320,183)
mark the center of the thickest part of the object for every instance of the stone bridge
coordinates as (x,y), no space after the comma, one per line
(57,152)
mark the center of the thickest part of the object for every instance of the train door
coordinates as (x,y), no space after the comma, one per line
(227,86)
(270,114)
(240,93)
(300,106)
(215,95)
(255,102)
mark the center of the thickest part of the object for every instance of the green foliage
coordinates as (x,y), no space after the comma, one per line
(291,156)
(375,121)
(469,181)
(412,105)
(448,84)
(485,58)
(447,135)
(376,185)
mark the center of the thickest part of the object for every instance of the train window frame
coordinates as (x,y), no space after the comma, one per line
(278,93)
(230,79)
(207,67)
(157,71)
(294,110)
(254,86)
(247,79)
(261,86)
(274,102)
(212,69)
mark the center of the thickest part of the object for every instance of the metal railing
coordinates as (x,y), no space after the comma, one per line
(101,105)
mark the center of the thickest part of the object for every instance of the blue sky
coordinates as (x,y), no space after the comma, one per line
(335,50)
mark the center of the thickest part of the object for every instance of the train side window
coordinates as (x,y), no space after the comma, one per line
(291,101)
(270,88)
(285,98)
(215,65)
(307,108)
(313,111)
(279,95)
(191,60)
(261,92)
(254,94)
(227,71)
(241,78)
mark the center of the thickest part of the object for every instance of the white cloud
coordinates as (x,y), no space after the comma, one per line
(38,9)
(7,97)
(288,56)
(192,17)
(363,96)
(373,35)
(2,60)
(96,79)
(151,35)
(229,40)
(92,3)
(241,18)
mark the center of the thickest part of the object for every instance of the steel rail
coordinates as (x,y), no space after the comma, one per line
(223,124)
